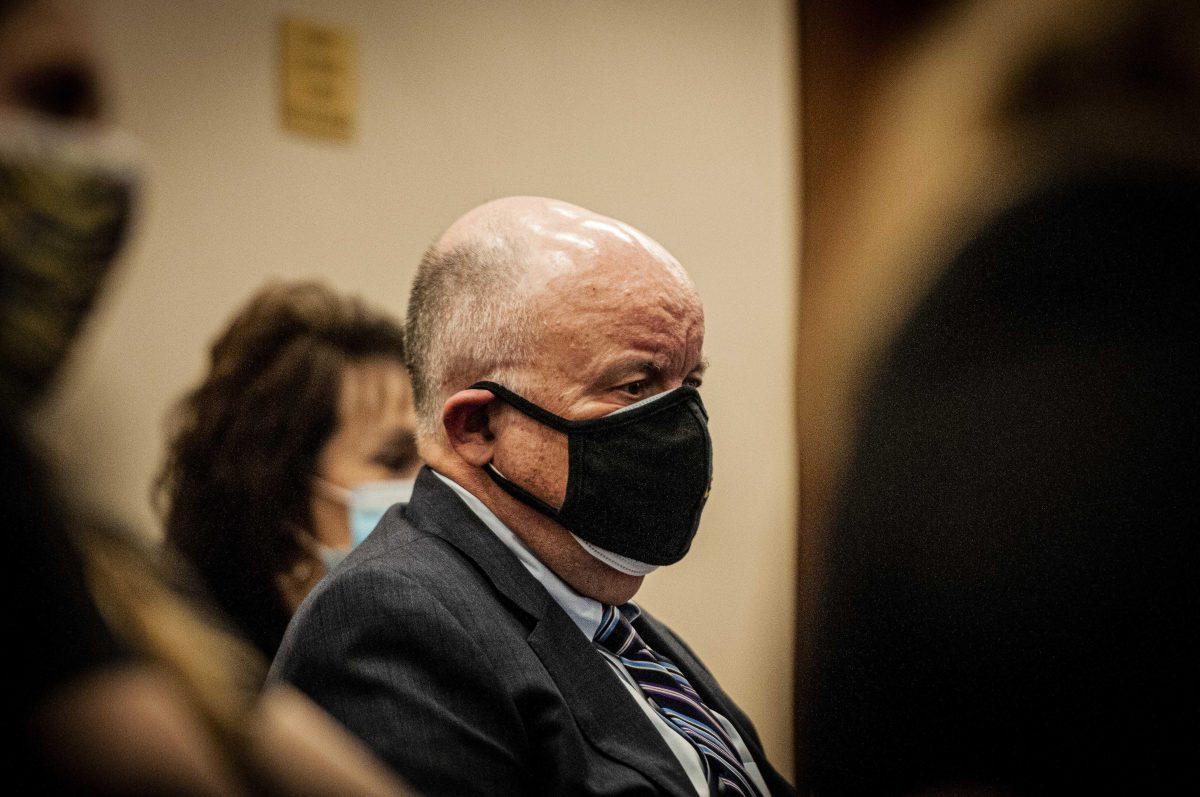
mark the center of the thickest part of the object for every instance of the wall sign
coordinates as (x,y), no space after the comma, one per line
(319,79)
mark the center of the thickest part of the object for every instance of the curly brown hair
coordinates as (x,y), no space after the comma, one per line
(243,444)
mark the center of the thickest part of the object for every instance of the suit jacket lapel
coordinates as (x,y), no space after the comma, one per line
(436,508)
(595,695)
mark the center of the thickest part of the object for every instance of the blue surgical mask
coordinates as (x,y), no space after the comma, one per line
(367,503)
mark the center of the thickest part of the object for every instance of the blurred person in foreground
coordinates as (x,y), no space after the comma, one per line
(286,455)
(114,685)
(1011,601)
(482,640)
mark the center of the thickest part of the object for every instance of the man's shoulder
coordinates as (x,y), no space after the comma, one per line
(407,591)
(402,545)
(399,552)
(403,573)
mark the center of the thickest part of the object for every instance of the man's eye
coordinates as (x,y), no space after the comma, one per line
(634,388)
(694,381)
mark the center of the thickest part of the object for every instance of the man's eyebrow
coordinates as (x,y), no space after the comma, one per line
(624,367)
(651,369)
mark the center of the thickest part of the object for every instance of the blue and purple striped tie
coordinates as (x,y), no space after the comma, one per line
(666,688)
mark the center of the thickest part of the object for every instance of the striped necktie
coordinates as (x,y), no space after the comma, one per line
(666,688)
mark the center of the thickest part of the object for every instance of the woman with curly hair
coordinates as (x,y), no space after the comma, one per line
(287,453)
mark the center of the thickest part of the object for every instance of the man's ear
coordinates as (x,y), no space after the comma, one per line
(465,418)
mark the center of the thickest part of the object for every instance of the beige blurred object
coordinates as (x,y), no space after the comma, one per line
(275,741)
(304,752)
(163,747)
(677,116)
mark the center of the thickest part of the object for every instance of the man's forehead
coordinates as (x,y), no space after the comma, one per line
(593,335)
(627,287)
(588,283)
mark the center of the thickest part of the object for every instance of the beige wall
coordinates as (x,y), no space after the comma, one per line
(675,116)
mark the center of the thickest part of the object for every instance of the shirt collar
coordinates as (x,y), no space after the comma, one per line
(585,612)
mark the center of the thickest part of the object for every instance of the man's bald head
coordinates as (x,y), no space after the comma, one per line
(477,305)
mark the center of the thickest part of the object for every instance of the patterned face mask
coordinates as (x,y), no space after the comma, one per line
(65,201)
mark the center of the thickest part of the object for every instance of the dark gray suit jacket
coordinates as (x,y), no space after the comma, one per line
(433,644)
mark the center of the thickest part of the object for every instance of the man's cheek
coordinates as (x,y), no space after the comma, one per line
(550,479)
(537,458)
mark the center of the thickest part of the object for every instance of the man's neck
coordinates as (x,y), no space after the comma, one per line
(548,540)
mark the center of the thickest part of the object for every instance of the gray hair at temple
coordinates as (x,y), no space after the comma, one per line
(468,319)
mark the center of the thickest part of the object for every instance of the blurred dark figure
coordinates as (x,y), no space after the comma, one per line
(113,684)
(80,712)
(298,439)
(1011,599)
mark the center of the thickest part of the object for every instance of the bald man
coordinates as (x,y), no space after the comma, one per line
(482,639)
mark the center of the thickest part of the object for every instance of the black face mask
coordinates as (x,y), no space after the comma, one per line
(637,478)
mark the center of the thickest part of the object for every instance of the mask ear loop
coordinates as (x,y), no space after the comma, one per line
(538,414)
(527,407)
(334,492)
(520,493)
